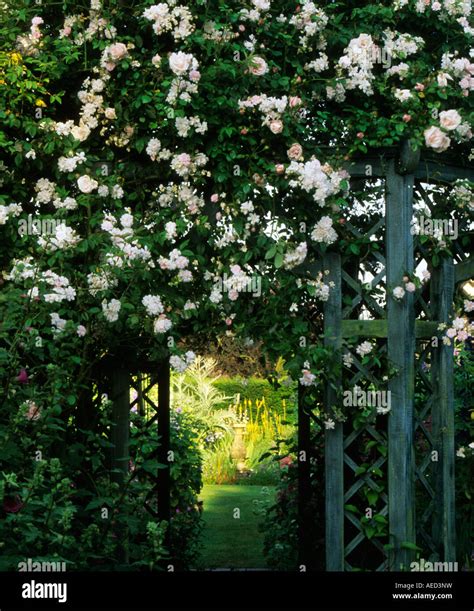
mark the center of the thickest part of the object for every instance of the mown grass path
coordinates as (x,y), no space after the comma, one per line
(229,541)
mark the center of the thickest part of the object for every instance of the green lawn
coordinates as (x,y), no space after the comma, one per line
(227,541)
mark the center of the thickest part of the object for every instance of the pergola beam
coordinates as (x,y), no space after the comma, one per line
(424,329)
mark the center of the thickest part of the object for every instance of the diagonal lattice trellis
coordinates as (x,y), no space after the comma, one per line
(419,467)
(148,394)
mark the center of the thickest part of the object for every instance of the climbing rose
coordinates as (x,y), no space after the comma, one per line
(436,139)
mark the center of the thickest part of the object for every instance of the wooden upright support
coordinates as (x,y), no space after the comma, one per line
(334,441)
(164,455)
(444,528)
(304,484)
(120,385)
(401,351)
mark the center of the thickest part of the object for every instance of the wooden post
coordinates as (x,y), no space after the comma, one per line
(334,441)
(304,484)
(140,400)
(164,456)
(444,528)
(401,350)
(120,388)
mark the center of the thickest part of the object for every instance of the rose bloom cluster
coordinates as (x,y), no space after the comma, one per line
(150,106)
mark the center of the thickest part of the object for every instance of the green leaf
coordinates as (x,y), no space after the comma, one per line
(372,497)
(271,252)
(278,260)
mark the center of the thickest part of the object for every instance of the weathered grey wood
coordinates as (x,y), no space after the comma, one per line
(370,168)
(424,329)
(464,271)
(409,158)
(444,529)
(304,485)
(334,442)
(120,384)
(429,171)
(120,397)
(140,401)
(401,350)
(164,455)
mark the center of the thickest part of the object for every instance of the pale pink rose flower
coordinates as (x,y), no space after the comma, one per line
(279,168)
(185,159)
(436,139)
(451,333)
(259,66)
(194,76)
(410,287)
(449,119)
(117,51)
(276,126)
(214,198)
(294,101)
(295,151)
(33,412)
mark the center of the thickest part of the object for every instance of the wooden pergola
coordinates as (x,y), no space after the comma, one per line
(404,329)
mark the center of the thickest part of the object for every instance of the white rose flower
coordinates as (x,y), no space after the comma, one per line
(443,78)
(403,95)
(398,292)
(80,132)
(87,184)
(180,62)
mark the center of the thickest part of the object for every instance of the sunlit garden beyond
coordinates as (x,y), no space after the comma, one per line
(244,430)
